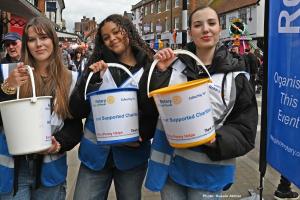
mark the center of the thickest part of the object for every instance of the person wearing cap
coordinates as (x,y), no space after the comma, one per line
(12,43)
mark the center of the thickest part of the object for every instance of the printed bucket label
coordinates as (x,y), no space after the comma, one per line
(115,115)
(186,115)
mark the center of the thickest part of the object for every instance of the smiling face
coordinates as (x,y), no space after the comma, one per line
(13,49)
(40,46)
(205,28)
(115,38)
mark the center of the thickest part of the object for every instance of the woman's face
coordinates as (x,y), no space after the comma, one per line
(205,28)
(114,38)
(78,55)
(40,46)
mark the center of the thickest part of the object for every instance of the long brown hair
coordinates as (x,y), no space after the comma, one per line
(58,81)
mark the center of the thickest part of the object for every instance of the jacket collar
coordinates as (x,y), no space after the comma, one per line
(223,62)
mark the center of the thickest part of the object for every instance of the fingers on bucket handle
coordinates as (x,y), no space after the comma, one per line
(109,65)
(181,51)
(33,99)
(178,51)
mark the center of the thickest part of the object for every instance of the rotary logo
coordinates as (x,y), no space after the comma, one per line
(176,100)
(110,99)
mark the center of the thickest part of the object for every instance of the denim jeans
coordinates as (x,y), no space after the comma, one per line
(26,186)
(94,185)
(174,191)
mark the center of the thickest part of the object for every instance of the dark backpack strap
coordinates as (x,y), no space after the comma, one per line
(222,89)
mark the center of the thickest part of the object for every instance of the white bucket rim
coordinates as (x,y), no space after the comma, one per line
(113,90)
(24,99)
(117,65)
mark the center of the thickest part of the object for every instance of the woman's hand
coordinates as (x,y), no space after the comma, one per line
(99,66)
(55,147)
(18,77)
(165,57)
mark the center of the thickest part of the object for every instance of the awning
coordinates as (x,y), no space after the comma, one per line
(21,8)
(69,36)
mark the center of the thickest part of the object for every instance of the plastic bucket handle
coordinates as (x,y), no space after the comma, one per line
(33,99)
(109,65)
(178,51)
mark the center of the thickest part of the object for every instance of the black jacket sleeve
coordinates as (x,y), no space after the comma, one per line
(237,135)
(70,134)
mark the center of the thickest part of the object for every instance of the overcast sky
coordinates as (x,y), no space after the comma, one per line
(99,9)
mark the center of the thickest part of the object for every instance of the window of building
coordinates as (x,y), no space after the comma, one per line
(146,28)
(176,3)
(152,7)
(223,22)
(148,9)
(168,4)
(176,22)
(163,7)
(151,27)
(243,15)
(31,1)
(158,27)
(158,6)
(167,24)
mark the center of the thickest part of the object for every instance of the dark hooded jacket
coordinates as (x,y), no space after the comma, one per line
(237,135)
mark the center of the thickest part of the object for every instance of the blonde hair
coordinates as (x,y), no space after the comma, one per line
(57,83)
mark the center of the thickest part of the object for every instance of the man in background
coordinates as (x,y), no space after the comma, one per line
(13,44)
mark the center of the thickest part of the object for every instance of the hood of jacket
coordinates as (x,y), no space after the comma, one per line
(222,62)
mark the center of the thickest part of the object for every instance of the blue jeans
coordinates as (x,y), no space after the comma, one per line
(94,185)
(26,186)
(174,191)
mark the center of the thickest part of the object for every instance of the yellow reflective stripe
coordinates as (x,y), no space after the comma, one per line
(90,136)
(6,161)
(50,158)
(200,157)
(160,157)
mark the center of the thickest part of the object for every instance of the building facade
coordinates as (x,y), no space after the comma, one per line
(53,10)
(248,12)
(157,20)
(87,29)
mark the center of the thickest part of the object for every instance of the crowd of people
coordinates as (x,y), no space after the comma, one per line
(192,173)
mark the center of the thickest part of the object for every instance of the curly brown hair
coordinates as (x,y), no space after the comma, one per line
(125,25)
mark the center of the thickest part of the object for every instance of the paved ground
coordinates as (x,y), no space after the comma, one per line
(247,176)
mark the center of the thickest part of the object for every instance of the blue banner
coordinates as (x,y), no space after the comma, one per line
(283,142)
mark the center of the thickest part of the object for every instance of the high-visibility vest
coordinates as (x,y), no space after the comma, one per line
(94,156)
(54,167)
(191,167)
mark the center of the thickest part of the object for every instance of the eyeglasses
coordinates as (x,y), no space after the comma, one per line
(7,44)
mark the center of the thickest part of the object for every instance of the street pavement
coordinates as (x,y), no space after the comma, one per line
(247,176)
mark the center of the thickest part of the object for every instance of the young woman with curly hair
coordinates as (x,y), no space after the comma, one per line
(117,41)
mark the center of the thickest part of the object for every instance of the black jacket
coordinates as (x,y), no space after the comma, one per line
(146,122)
(237,135)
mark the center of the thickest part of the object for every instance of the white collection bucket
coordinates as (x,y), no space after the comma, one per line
(115,112)
(27,123)
(185,109)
